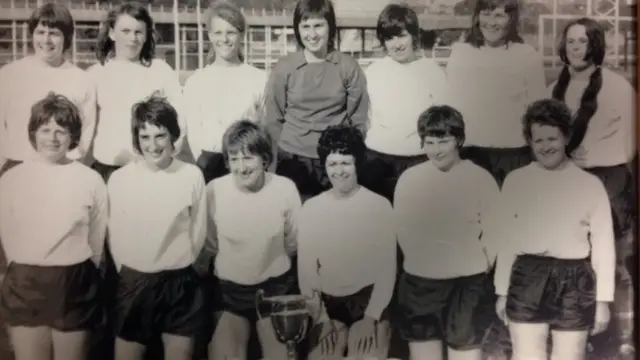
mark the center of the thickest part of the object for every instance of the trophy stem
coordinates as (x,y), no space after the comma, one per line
(291,351)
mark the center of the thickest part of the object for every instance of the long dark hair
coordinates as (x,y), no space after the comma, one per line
(589,101)
(105,48)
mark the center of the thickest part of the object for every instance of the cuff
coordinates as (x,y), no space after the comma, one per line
(373,314)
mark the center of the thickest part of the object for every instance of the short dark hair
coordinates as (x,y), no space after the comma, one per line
(441,121)
(342,139)
(596,47)
(62,110)
(511,7)
(246,136)
(394,19)
(549,112)
(312,8)
(55,16)
(157,111)
(106,47)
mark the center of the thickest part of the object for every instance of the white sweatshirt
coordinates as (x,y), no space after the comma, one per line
(217,96)
(345,245)
(563,214)
(29,80)
(158,218)
(52,215)
(121,84)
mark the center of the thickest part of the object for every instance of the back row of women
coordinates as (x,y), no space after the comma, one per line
(480,162)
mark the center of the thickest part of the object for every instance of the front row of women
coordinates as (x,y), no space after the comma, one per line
(554,246)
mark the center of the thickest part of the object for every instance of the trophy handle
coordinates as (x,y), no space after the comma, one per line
(259,299)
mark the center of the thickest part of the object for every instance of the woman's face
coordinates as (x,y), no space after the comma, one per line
(577,46)
(314,33)
(48,44)
(341,171)
(494,25)
(128,35)
(400,47)
(225,39)
(52,141)
(442,151)
(156,145)
(247,169)
(548,145)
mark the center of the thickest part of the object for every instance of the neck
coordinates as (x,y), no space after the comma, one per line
(496,44)
(255,187)
(159,167)
(61,161)
(126,59)
(345,193)
(57,62)
(583,73)
(410,59)
(561,166)
(319,56)
(220,61)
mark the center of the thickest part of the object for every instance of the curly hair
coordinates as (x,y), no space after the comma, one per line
(547,112)
(342,139)
(59,108)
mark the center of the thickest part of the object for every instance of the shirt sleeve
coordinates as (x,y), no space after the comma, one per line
(211,244)
(115,190)
(308,262)
(89,114)
(4,101)
(294,204)
(507,248)
(98,220)
(386,264)
(357,96)
(439,92)
(275,101)
(193,115)
(603,255)
(173,92)
(625,103)
(490,216)
(535,78)
(255,112)
(198,214)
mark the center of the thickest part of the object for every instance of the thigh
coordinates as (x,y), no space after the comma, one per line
(529,341)
(272,349)
(230,337)
(30,343)
(421,303)
(569,345)
(129,350)
(177,347)
(70,345)
(467,316)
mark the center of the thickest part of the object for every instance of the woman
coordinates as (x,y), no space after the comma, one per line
(347,250)
(255,257)
(211,108)
(493,76)
(308,91)
(603,142)
(127,72)
(556,261)
(157,229)
(28,80)
(53,232)
(401,86)
(444,213)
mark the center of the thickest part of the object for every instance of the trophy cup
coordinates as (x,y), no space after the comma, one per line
(289,318)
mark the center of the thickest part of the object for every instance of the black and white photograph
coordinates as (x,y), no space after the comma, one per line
(318,179)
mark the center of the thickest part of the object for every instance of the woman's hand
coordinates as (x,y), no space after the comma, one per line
(501,309)
(366,335)
(602,318)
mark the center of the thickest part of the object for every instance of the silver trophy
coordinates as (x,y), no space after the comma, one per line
(290,318)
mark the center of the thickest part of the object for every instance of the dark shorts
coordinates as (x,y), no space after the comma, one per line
(350,309)
(308,174)
(381,172)
(558,292)
(499,162)
(456,311)
(65,298)
(104,170)
(167,302)
(212,165)
(240,299)
(620,185)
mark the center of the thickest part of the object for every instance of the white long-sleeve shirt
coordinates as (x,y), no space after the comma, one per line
(345,245)
(52,215)
(563,214)
(611,135)
(253,230)
(399,93)
(217,96)
(121,84)
(492,88)
(446,220)
(158,218)
(29,80)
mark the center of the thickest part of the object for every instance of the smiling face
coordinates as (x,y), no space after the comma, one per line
(156,145)
(129,36)
(494,25)
(400,47)
(52,141)
(247,169)
(577,46)
(342,172)
(314,34)
(443,151)
(48,44)
(225,39)
(548,145)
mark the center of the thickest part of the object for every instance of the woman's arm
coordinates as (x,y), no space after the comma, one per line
(198,214)
(89,114)
(535,77)
(603,253)
(192,114)
(98,220)
(357,95)
(504,226)
(294,204)
(275,102)
(173,92)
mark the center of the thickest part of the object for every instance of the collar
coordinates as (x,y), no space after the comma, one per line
(299,60)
